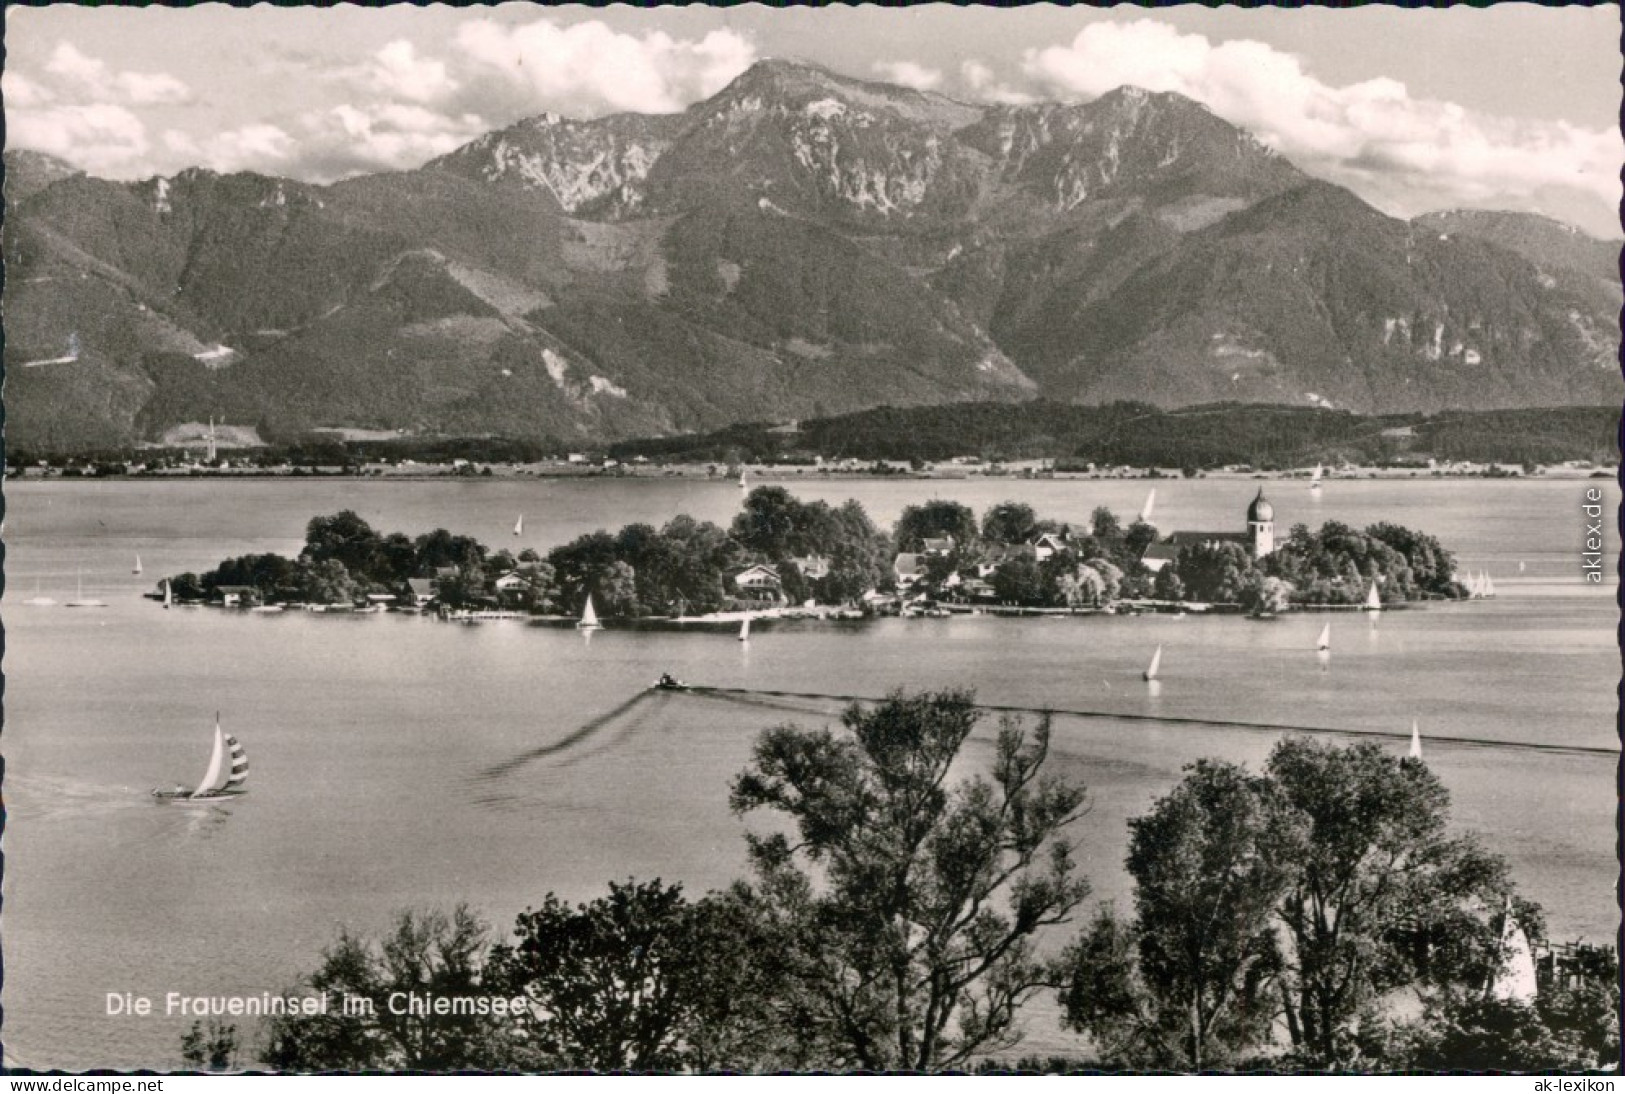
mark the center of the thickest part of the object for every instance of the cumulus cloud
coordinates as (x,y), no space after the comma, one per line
(100,137)
(350,138)
(89,79)
(398,71)
(589,69)
(1373,135)
(983,85)
(257,147)
(909,74)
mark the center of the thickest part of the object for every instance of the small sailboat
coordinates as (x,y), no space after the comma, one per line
(1486,585)
(39,600)
(220,782)
(1520,565)
(1150,503)
(137,569)
(742,485)
(1416,740)
(589,617)
(1150,672)
(168,595)
(1514,981)
(519,525)
(1324,642)
(1314,479)
(80,601)
(744,629)
(1373,600)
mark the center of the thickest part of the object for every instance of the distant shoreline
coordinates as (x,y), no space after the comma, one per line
(790,474)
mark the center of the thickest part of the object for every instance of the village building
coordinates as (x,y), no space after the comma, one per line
(907,569)
(231,595)
(1258,538)
(760,584)
(422,590)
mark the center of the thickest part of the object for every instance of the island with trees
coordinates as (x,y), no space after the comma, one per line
(781,554)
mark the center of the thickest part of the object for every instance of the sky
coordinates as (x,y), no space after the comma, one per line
(1514,106)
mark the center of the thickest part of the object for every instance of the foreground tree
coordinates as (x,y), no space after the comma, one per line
(1381,896)
(1312,893)
(910,907)
(428,953)
(211,1047)
(1188,984)
(643,980)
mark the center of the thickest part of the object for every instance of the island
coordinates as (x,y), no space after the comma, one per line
(783,556)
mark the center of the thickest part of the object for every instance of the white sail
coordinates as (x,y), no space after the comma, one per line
(741,479)
(589,615)
(744,629)
(217,762)
(1314,480)
(168,596)
(519,525)
(1489,585)
(1373,600)
(1515,981)
(1416,740)
(137,569)
(1520,565)
(1150,503)
(1156,663)
(1324,642)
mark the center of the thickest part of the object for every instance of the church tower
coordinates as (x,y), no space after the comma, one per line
(1261,525)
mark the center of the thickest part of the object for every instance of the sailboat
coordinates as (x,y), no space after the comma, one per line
(137,569)
(220,782)
(1324,642)
(1145,510)
(1486,586)
(39,600)
(742,485)
(1373,601)
(1314,479)
(589,617)
(1520,565)
(744,629)
(1150,672)
(519,525)
(1416,740)
(1515,980)
(79,600)
(168,596)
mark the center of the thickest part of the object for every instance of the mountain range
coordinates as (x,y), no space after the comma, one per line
(800,244)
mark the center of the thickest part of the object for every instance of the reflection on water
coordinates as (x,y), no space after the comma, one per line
(401,761)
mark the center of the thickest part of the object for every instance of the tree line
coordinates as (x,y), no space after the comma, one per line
(894,919)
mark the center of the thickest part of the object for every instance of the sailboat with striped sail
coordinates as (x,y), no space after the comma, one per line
(226,777)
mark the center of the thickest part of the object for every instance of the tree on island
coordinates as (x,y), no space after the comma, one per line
(913,905)
(1009,522)
(936,519)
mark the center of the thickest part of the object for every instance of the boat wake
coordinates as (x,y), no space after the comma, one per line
(584,733)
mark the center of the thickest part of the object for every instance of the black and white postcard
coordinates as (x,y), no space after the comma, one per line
(745,539)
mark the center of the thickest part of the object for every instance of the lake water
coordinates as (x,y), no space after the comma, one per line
(373,738)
